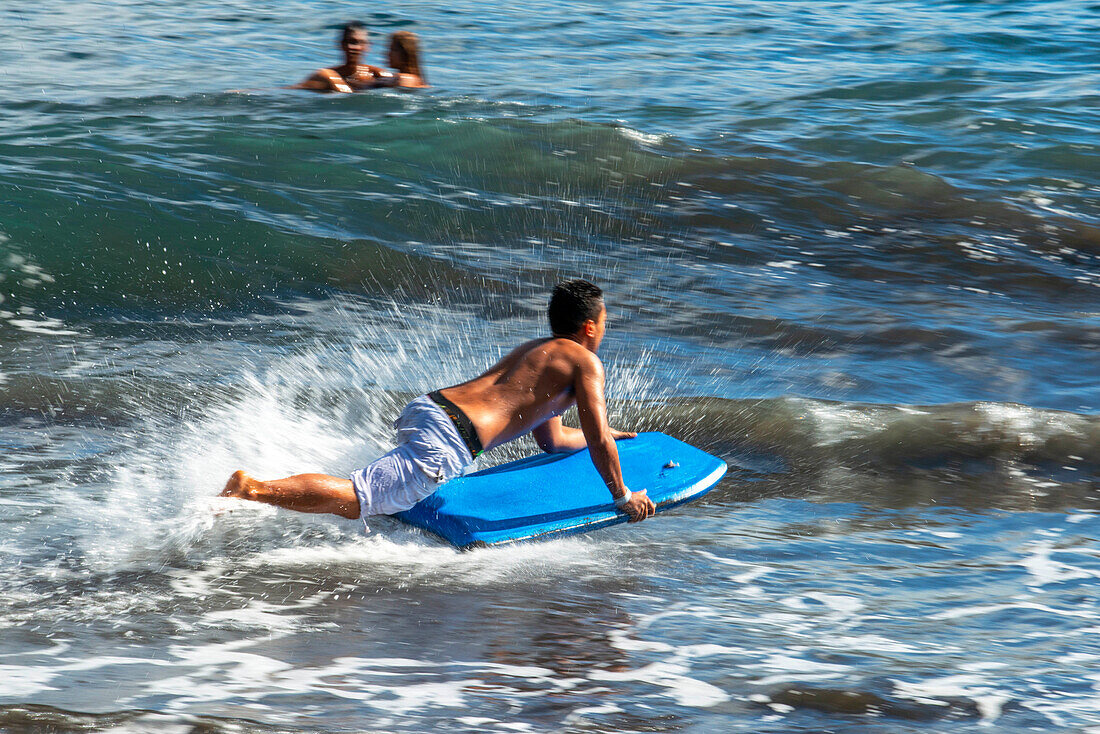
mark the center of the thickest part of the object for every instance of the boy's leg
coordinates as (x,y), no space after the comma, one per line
(301,492)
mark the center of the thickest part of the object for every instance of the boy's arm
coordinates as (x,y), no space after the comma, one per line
(554,437)
(592,410)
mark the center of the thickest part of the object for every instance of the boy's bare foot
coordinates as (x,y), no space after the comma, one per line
(239,485)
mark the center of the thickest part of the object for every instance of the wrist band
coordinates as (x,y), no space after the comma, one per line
(620,501)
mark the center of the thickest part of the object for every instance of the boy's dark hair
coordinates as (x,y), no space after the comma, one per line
(350,28)
(571,304)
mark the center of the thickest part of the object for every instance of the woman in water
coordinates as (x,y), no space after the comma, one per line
(351,75)
(404,57)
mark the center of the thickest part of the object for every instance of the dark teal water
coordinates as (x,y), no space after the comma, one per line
(850,248)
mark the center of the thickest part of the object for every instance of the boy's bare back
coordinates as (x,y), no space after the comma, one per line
(535,382)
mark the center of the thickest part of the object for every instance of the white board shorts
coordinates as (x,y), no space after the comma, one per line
(429,452)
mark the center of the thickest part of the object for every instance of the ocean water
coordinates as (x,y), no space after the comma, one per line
(851,248)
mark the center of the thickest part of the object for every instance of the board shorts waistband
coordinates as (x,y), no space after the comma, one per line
(462,422)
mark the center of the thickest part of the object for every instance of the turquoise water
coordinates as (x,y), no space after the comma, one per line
(849,248)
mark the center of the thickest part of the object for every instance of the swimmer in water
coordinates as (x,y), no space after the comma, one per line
(404,57)
(352,75)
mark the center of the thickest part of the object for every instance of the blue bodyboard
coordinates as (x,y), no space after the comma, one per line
(561,494)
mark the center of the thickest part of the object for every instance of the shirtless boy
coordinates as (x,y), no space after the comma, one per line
(441,434)
(351,75)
